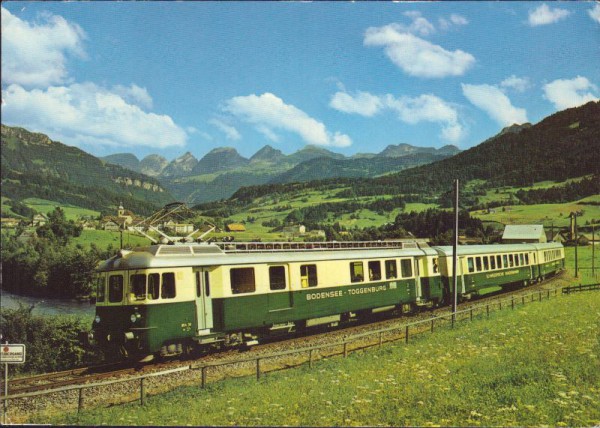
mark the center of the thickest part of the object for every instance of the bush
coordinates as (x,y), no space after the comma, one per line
(52,342)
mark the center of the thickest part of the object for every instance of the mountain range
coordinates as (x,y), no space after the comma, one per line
(223,170)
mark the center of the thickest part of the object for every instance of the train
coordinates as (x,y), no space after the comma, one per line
(168,300)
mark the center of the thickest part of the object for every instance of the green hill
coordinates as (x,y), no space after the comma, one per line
(33,166)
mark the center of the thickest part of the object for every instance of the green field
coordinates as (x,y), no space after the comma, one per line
(538,365)
(584,263)
(104,238)
(546,214)
(71,212)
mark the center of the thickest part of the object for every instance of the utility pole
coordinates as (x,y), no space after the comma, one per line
(455,251)
(576,245)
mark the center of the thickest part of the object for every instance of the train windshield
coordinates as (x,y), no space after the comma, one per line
(138,286)
(142,287)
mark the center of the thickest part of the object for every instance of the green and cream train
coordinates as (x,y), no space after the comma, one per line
(170,299)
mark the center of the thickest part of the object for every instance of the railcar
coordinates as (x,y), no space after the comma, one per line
(171,299)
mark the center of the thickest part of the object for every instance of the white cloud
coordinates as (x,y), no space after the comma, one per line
(565,93)
(424,108)
(35,55)
(495,103)
(415,56)
(230,132)
(419,24)
(267,111)
(135,95)
(458,19)
(543,15)
(88,114)
(595,13)
(519,84)
(363,103)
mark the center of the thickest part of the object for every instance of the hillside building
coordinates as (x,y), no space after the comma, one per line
(235,227)
(524,233)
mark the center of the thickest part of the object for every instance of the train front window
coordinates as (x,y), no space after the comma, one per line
(470,265)
(153,286)
(167,290)
(115,288)
(137,283)
(100,288)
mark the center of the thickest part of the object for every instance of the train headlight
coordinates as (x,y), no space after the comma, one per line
(97,319)
(135,317)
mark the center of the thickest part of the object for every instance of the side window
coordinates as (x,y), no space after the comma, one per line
(199,284)
(391,271)
(153,285)
(511,262)
(137,286)
(242,280)
(516,260)
(470,265)
(374,271)
(499,261)
(167,290)
(277,277)
(406,268)
(478,263)
(115,288)
(308,275)
(505,260)
(492,262)
(526,258)
(100,288)
(485,263)
(435,267)
(522,259)
(356,272)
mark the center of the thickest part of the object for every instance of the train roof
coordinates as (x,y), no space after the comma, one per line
(466,250)
(163,256)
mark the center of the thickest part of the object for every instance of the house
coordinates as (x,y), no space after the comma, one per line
(9,222)
(559,236)
(235,227)
(178,228)
(296,230)
(126,215)
(88,224)
(27,236)
(39,220)
(110,225)
(523,233)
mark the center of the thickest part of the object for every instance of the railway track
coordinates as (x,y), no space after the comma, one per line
(92,374)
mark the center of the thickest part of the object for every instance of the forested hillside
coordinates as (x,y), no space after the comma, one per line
(35,166)
(562,146)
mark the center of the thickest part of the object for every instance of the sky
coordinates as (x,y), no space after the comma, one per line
(352,77)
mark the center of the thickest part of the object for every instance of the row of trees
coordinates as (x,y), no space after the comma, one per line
(47,265)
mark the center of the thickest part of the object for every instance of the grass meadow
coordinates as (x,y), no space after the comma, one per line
(538,365)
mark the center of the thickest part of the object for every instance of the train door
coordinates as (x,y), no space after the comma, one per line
(280,296)
(418,279)
(460,274)
(204,312)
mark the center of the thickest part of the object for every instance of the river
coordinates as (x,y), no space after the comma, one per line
(47,306)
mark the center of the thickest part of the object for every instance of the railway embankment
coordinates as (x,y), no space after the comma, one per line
(536,364)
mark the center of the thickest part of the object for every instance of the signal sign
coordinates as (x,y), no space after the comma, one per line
(12,354)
